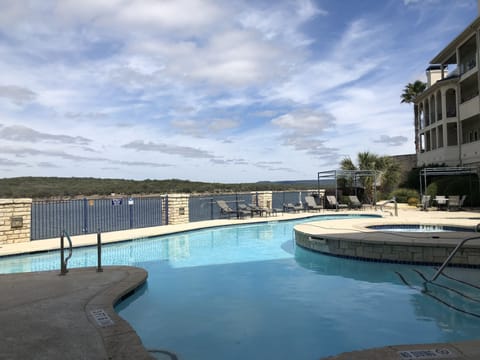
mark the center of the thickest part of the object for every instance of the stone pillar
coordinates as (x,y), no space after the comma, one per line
(264,199)
(15,220)
(176,209)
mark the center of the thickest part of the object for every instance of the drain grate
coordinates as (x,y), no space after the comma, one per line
(427,354)
(102,318)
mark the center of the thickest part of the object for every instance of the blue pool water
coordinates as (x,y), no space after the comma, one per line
(246,292)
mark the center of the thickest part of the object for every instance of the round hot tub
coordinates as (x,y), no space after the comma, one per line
(411,243)
(419,228)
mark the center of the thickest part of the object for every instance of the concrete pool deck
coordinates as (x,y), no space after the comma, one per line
(47,316)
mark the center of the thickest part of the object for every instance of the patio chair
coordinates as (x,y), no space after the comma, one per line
(441,201)
(260,210)
(354,202)
(455,202)
(425,203)
(332,201)
(311,204)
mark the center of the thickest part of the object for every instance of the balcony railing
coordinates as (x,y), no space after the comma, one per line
(469,96)
(451,112)
(467,66)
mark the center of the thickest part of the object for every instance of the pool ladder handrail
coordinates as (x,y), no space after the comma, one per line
(390,201)
(63,260)
(452,254)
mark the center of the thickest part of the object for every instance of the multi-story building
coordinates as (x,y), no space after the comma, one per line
(449,109)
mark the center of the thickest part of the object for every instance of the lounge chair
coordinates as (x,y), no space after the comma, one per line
(290,207)
(226,210)
(246,209)
(332,201)
(354,202)
(311,204)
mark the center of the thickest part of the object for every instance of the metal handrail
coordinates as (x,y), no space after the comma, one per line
(452,254)
(393,201)
(63,261)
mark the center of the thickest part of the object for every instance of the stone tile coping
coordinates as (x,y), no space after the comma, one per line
(465,350)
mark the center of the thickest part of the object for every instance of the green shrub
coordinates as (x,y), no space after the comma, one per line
(412,201)
(432,190)
(403,195)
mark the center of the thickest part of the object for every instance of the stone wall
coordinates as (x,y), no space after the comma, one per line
(15,220)
(406,163)
(389,252)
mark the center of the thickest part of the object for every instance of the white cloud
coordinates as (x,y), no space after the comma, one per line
(25,134)
(304,122)
(244,88)
(17,94)
(184,151)
(357,54)
(281,23)
(222,124)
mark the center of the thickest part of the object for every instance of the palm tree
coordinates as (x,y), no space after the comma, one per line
(388,168)
(410,93)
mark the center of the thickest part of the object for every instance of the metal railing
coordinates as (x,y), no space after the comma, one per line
(452,254)
(391,201)
(63,260)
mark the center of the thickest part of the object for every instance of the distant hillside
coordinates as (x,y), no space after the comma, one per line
(48,187)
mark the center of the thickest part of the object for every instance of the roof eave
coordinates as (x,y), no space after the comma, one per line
(450,49)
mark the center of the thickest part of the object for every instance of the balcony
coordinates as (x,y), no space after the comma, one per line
(445,155)
(470,107)
(470,153)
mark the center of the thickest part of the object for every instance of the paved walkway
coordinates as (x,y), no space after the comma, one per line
(47,316)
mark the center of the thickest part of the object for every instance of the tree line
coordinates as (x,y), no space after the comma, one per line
(61,187)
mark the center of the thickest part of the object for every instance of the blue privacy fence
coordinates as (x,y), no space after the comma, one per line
(206,208)
(86,216)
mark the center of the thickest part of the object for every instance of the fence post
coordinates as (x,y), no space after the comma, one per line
(63,268)
(236,205)
(85,215)
(166,210)
(99,252)
(211,208)
(130,207)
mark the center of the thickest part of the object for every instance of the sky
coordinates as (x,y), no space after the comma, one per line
(211,90)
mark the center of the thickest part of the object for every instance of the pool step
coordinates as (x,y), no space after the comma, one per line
(454,293)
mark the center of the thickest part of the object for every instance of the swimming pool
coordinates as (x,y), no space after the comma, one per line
(246,292)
